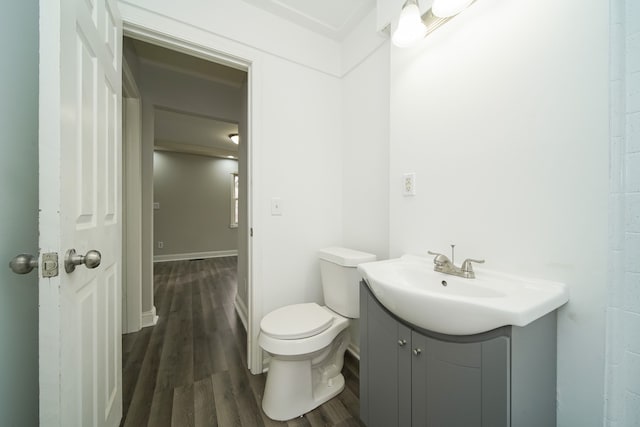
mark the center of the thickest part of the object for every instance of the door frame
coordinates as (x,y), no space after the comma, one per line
(200,43)
(131,202)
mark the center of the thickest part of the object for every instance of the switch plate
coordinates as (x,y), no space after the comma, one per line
(409,184)
(276,206)
(156,205)
(160,244)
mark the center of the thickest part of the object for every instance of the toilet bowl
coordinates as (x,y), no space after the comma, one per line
(307,341)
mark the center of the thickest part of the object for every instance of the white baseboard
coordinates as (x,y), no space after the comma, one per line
(194,255)
(149,318)
(354,350)
(241,309)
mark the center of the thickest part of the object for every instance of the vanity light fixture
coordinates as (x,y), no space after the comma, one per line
(449,8)
(234,138)
(412,26)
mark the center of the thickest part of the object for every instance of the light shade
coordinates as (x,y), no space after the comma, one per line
(410,26)
(234,138)
(448,8)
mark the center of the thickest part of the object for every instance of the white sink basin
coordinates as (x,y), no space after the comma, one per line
(409,288)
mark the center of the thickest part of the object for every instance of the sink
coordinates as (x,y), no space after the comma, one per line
(410,289)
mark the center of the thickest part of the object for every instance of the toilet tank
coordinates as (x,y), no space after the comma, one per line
(340,279)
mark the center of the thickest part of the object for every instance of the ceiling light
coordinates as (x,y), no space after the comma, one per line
(449,8)
(234,138)
(410,27)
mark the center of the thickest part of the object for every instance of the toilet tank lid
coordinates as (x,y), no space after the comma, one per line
(345,257)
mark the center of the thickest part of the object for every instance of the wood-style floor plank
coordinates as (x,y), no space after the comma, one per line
(191,368)
(205,412)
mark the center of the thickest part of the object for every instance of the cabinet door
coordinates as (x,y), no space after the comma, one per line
(447,383)
(385,364)
(460,384)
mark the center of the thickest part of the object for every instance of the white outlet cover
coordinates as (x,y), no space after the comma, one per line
(276,206)
(409,184)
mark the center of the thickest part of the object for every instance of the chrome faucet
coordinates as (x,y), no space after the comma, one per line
(443,264)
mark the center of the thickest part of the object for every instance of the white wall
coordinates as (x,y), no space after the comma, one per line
(365,146)
(295,131)
(623,313)
(365,151)
(243,25)
(302,165)
(502,114)
(19,213)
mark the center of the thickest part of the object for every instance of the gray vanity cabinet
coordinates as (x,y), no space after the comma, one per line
(412,377)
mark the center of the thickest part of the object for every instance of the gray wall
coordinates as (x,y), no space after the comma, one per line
(19,213)
(194,196)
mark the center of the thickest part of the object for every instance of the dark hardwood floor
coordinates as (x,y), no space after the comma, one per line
(191,368)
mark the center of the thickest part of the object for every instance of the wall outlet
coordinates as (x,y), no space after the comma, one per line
(160,244)
(276,206)
(409,184)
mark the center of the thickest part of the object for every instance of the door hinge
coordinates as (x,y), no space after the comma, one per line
(50,264)
(251,232)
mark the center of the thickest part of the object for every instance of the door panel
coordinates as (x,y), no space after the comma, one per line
(80,205)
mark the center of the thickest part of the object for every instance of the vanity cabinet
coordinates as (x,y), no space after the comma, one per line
(413,377)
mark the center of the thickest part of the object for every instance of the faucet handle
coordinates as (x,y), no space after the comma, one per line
(439,259)
(467,267)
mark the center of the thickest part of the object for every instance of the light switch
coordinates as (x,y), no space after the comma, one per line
(156,205)
(409,184)
(276,206)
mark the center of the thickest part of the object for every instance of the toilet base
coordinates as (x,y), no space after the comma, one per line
(295,387)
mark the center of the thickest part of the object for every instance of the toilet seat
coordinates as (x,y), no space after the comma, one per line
(296,321)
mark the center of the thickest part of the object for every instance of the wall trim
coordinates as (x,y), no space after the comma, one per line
(354,350)
(131,205)
(194,255)
(149,318)
(241,309)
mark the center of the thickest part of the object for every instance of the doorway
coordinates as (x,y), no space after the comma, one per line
(195,56)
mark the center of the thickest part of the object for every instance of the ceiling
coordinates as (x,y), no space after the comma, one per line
(189,133)
(185,132)
(330,18)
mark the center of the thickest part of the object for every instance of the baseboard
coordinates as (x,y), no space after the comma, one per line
(149,318)
(241,309)
(194,255)
(354,350)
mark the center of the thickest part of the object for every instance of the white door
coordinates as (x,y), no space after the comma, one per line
(80,208)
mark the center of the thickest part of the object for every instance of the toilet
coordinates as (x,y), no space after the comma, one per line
(307,342)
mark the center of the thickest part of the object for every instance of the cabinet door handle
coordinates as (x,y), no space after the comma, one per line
(402,343)
(417,351)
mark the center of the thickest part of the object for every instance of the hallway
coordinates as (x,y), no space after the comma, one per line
(190,369)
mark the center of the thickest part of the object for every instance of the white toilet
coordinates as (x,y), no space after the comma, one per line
(307,341)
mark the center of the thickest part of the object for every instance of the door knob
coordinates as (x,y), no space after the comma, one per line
(417,351)
(90,260)
(23,263)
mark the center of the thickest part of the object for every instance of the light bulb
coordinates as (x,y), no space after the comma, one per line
(410,26)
